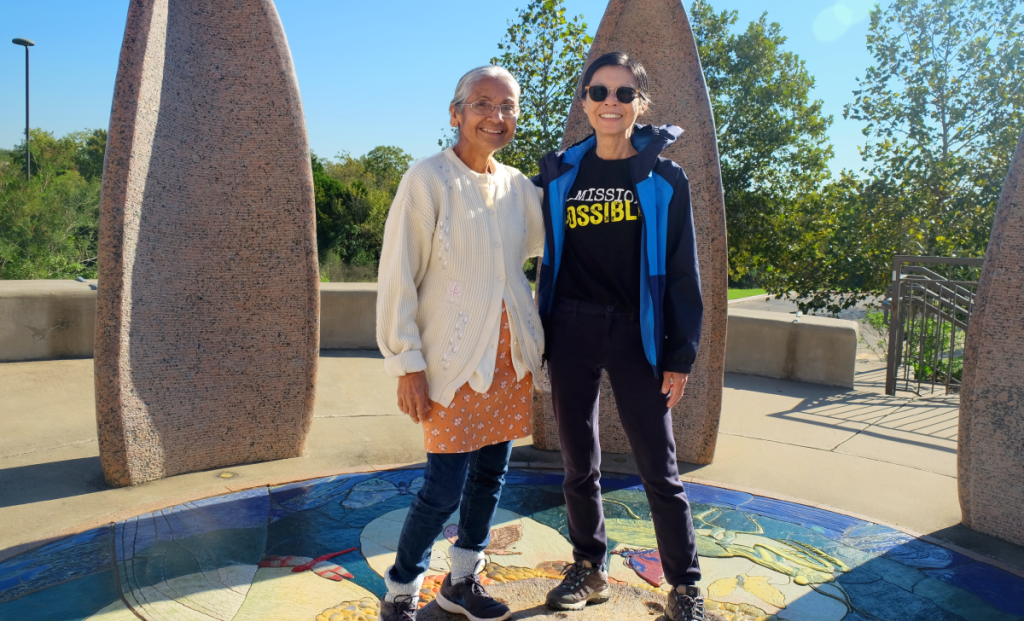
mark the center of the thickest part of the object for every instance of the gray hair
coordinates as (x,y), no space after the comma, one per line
(466,83)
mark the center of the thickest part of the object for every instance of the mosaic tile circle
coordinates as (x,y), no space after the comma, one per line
(315,551)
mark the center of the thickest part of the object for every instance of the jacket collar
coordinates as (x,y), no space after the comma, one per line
(648,140)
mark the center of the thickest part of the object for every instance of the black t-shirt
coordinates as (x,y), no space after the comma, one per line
(603,227)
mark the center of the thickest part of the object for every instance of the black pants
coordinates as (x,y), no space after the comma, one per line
(585,338)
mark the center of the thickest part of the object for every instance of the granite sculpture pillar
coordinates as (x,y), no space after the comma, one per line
(991,444)
(208,311)
(658,34)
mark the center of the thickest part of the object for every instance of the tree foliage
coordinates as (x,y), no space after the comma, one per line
(545,51)
(353,196)
(48,225)
(943,108)
(772,137)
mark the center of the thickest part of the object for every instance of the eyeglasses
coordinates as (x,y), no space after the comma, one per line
(625,94)
(485,108)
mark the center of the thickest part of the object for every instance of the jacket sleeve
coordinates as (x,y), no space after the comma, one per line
(684,306)
(405,255)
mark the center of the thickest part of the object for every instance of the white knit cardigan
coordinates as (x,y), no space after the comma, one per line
(454,245)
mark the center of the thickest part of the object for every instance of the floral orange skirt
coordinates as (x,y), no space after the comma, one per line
(475,420)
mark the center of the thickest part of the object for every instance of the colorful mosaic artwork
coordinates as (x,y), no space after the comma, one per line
(316,550)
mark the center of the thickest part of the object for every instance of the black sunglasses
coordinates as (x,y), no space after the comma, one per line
(625,94)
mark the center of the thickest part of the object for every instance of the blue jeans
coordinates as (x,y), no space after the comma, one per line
(470,482)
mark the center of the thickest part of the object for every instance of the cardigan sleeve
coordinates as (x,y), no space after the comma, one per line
(534,221)
(404,257)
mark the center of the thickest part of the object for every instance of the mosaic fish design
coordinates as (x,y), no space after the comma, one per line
(321,565)
(646,564)
(374,491)
(502,538)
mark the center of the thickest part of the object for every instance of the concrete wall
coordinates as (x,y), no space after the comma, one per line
(51,319)
(818,350)
(348,315)
(48,319)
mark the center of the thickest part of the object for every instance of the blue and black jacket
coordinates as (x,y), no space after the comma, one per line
(671,308)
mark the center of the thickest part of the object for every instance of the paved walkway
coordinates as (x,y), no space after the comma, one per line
(888,460)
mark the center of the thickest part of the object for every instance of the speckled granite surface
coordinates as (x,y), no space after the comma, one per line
(991,447)
(207,318)
(680,97)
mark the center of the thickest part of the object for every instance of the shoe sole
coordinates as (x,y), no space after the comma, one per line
(597,597)
(449,606)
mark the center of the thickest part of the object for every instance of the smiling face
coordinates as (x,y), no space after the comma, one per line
(612,117)
(485,133)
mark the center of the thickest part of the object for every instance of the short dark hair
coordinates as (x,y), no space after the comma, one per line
(618,59)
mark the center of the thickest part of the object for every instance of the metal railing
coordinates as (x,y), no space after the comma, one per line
(928,314)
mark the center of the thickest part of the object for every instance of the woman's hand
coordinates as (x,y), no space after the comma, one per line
(673,385)
(413,396)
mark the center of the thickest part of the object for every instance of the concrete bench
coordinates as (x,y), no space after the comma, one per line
(811,349)
(50,319)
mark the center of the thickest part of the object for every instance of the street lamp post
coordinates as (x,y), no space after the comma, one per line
(28,154)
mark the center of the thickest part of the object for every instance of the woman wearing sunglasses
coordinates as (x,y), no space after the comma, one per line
(457,325)
(620,291)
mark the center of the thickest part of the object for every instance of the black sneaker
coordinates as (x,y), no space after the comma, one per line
(469,598)
(685,603)
(402,609)
(583,584)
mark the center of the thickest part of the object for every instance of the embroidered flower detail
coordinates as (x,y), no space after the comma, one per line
(441,414)
(523,399)
(504,384)
(435,432)
(442,447)
(452,406)
(480,426)
(466,398)
(457,421)
(502,356)
(519,417)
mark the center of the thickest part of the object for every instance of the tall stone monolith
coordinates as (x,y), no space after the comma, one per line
(208,309)
(991,444)
(658,34)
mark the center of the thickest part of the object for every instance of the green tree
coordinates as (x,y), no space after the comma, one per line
(89,159)
(353,197)
(943,106)
(48,226)
(772,137)
(545,51)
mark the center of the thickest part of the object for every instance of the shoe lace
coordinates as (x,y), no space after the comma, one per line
(575,573)
(692,609)
(403,604)
(475,586)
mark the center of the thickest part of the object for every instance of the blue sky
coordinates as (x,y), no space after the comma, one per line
(376,73)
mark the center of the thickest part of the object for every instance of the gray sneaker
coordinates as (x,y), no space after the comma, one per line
(402,609)
(583,584)
(685,603)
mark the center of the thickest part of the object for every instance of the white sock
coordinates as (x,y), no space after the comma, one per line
(464,563)
(411,589)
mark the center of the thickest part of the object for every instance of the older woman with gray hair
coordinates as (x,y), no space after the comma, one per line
(457,325)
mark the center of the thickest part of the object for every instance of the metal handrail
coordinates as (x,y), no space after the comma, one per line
(924,304)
